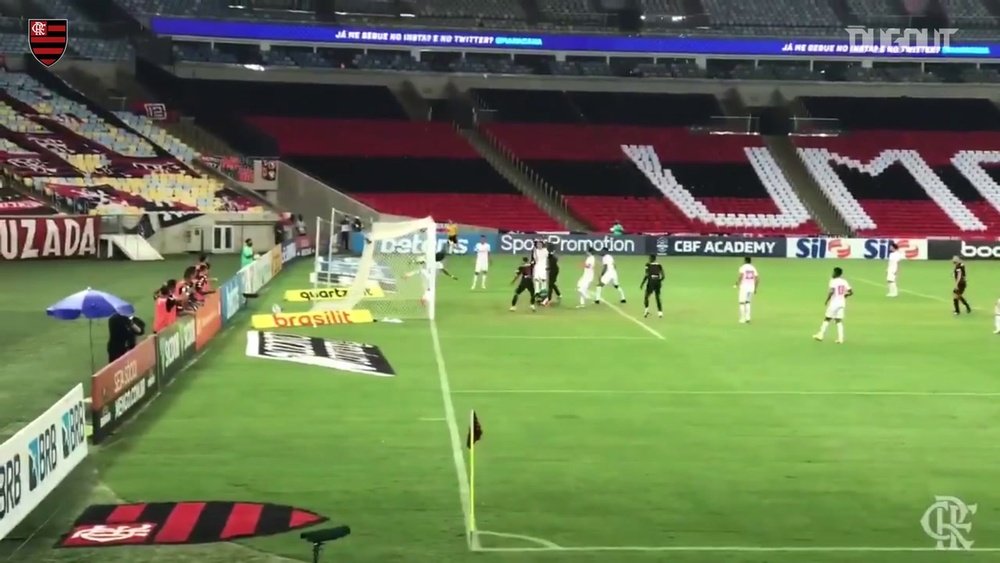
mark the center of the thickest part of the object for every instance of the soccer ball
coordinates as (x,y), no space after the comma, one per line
(276,309)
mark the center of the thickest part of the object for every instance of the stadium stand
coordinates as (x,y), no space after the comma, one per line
(911,166)
(358,139)
(67,152)
(630,157)
(13,202)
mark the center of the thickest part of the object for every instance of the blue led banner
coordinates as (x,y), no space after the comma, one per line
(254,31)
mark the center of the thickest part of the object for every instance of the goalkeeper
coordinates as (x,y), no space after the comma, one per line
(439,259)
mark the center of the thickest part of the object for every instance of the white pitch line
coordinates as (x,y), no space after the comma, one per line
(530,337)
(907,291)
(722,392)
(643,325)
(745,549)
(456,441)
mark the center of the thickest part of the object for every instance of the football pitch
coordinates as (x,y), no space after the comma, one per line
(607,437)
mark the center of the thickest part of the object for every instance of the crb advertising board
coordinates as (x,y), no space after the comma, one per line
(964,249)
(414,243)
(774,247)
(257,274)
(175,346)
(627,245)
(288,251)
(854,248)
(40,456)
(50,237)
(121,387)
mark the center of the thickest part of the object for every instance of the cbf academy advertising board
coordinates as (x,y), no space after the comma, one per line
(770,247)
(39,457)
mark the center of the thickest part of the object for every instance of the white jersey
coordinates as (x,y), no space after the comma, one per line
(610,275)
(996,309)
(482,256)
(748,276)
(748,283)
(839,289)
(541,263)
(588,272)
(894,258)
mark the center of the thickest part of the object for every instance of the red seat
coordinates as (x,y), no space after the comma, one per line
(498,211)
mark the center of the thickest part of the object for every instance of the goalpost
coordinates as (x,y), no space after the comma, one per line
(395,277)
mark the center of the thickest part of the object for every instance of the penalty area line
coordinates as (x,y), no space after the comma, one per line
(906,291)
(737,549)
(747,393)
(632,318)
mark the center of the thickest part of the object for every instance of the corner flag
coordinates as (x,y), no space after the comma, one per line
(475,433)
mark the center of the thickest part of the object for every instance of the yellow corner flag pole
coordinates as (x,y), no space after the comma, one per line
(472,472)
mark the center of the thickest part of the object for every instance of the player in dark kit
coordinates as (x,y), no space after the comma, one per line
(653,281)
(958,294)
(553,289)
(526,274)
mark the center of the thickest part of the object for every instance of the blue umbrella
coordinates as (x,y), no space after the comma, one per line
(91,304)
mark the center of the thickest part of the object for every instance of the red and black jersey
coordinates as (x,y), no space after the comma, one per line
(526,271)
(959,273)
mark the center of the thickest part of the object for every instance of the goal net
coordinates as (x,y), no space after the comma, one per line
(394,277)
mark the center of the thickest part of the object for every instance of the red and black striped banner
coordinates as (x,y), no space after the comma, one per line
(173,523)
(47,39)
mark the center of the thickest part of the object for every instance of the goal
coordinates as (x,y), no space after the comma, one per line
(395,276)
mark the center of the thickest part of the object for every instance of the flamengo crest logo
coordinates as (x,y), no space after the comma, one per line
(47,39)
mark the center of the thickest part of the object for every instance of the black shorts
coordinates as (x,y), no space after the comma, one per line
(653,288)
(960,288)
(526,285)
(453,239)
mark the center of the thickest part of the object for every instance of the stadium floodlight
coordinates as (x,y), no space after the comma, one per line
(395,277)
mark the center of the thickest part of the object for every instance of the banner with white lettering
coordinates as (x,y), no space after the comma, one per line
(632,245)
(773,247)
(23,238)
(39,457)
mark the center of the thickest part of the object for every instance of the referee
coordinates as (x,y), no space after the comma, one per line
(653,281)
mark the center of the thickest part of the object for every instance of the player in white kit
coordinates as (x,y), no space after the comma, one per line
(996,317)
(482,261)
(895,256)
(540,256)
(836,303)
(609,275)
(747,283)
(587,278)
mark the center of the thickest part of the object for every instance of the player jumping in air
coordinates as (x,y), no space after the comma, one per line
(747,282)
(482,261)
(653,281)
(525,273)
(428,271)
(895,256)
(836,302)
(552,292)
(609,275)
(451,230)
(958,293)
(587,278)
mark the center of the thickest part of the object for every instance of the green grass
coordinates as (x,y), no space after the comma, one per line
(598,433)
